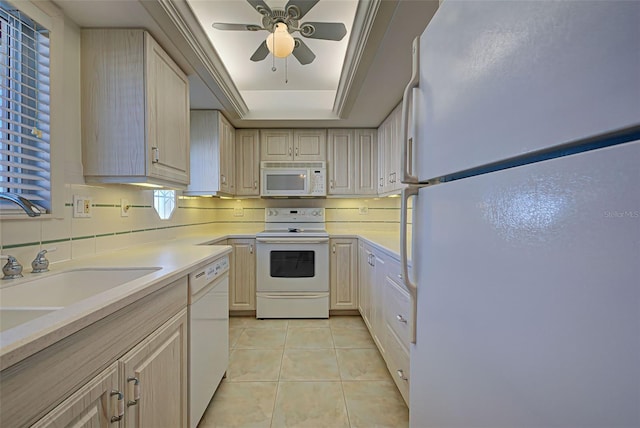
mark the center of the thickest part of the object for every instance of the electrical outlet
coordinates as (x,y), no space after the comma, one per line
(124,207)
(82,206)
(363,210)
(238,212)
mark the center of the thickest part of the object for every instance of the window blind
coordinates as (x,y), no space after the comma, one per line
(24,102)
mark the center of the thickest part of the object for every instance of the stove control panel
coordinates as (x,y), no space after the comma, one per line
(294,215)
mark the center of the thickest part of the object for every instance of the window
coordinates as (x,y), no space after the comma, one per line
(164,201)
(25,167)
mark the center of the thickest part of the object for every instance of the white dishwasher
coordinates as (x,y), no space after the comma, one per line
(208,334)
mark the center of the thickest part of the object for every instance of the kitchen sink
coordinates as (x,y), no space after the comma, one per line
(64,288)
(11,317)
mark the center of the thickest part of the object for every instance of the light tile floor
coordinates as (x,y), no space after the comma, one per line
(305,373)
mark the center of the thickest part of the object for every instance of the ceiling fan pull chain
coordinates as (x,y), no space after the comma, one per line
(273,56)
(286,75)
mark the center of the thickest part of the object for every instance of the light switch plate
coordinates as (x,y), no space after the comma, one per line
(82,206)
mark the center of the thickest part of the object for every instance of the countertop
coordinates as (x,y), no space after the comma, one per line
(176,258)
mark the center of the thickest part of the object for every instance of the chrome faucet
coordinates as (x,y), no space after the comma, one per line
(25,204)
(40,263)
(13,268)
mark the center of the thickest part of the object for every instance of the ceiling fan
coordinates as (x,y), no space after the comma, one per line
(281,23)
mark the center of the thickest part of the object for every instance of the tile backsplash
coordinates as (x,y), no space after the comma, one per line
(106,230)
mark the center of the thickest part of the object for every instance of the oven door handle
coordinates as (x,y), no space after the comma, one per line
(293,240)
(285,295)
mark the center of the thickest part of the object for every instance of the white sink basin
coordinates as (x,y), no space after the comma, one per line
(11,317)
(65,288)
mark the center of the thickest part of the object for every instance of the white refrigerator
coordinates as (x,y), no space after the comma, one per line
(524,215)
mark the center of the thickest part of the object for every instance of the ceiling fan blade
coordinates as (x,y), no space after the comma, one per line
(260,53)
(260,6)
(323,30)
(236,27)
(302,52)
(299,8)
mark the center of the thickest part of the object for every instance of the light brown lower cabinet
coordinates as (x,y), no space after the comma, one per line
(385,306)
(146,387)
(82,380)
(242,278)
(344,273)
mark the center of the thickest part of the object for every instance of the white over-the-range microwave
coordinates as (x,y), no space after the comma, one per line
(293,178)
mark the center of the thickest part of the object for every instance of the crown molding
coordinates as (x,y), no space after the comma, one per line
(369,27)
(185,21)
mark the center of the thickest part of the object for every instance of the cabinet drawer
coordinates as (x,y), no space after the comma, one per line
(398,311)
(398,363)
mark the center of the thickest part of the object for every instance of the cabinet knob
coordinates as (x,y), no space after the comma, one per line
(401,319)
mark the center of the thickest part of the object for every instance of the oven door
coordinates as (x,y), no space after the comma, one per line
(292,264)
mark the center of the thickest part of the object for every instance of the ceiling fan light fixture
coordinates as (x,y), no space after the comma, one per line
(280,42)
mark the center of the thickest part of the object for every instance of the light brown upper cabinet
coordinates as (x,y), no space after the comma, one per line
(352,162)
(290,145)
(135,110)
(390,153)
(212,154)
(247,162)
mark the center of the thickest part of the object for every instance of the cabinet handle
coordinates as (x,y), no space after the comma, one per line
(255,184)
(155,153)
(251,249)
(333,248)
(401,375)
(401,319)
(223,179)
(296,151)
(331,184)
(289,151)
(119,404)
(134,391)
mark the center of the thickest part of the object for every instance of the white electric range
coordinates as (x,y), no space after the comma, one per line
(293,264)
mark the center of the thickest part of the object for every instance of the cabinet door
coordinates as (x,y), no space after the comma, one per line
(366,161)
(378,276)
(276,144)
(310,144)
(344,273)
(92,406)
(364,286)
(227,156)
(247,162)
(167,115)
(159,364)
(242,292)
(341,162)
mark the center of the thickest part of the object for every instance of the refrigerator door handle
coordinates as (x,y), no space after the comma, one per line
(407,192)
(407,145)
